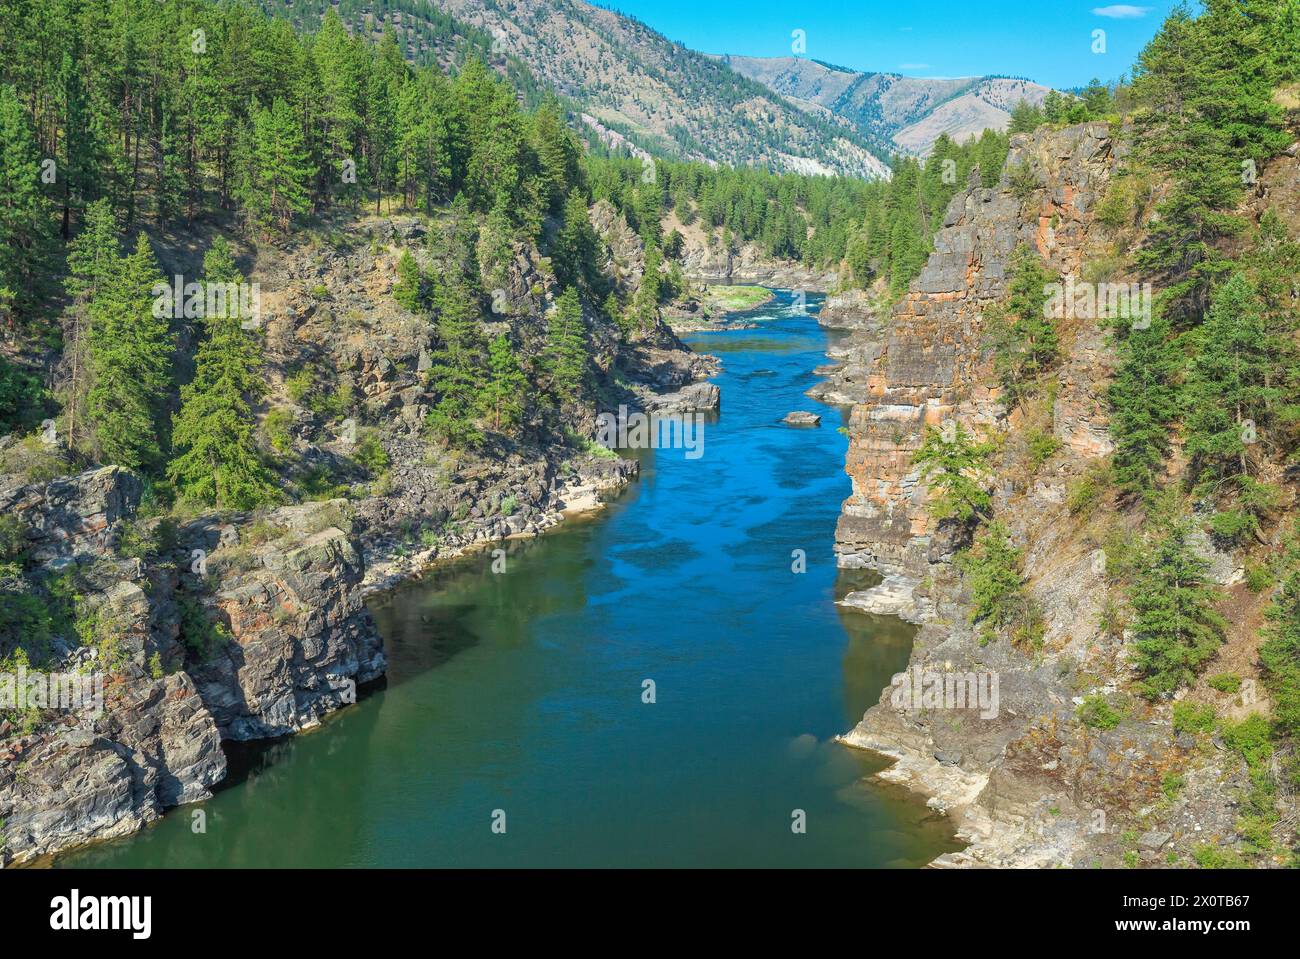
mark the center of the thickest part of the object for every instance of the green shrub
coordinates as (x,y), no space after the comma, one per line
(1042,447)
(299,385)
(1259,577)
(993,568)
(1225,682)
(202,637)
(1084,493)
(277,426)
(370,453)
(1214,857)
(1171,785)
(1096,712)
(1193,718)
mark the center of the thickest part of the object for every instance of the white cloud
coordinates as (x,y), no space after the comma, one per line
(1121,11)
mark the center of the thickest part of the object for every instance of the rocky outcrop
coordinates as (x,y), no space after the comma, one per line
(302,640)
(933,364)
(851,310)
(74,515)
(100,777)
(801,418)
(293,640)
(748,265)
(994,729)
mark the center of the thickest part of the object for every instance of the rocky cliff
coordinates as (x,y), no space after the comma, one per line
(1027,782)
(933,364)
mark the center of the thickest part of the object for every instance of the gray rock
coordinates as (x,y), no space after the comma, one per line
(802,418)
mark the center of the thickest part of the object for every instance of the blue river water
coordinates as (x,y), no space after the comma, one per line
(513,728)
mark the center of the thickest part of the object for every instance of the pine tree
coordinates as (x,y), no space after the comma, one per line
(1207,116)
(1279,654)
(411,289)
(1143,406)
(1176,628)
(25,223)
(576,256)
(993,568)
(558,155)
(1023,336)
(279,181)
(955,469)
(1025,117)
(1232,383)
(507,386)
(566,347)
(645,303)
(217,461)
(93,257)
(130,352)
(456,374)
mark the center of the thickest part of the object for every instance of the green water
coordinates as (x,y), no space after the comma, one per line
(521,692)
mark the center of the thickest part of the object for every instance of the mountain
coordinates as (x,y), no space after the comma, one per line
(661,96)
(907,112)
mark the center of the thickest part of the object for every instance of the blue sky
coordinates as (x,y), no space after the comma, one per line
(1048,41)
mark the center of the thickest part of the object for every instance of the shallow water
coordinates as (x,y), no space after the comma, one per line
(518,697)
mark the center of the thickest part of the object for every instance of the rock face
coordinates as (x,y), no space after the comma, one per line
(297,641)
(932,364)
(303,639)
(73,515)
(154,747)
(749,266)
(1027,777)
(849,310)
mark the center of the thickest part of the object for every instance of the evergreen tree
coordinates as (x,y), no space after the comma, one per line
(217,461)
(645,303)
(411,289)
(1143,406)
(1208,118)
(279,180)
(130,353)
(507,386)
(1232,383)
(1279,654)
(93,258)
(566,347)
(993,568)
(576,256)
(1023,336)
(456,374)
(25,249)
(1176,628)
(1025,117)
(955,469)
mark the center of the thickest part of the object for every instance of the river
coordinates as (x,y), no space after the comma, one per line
(513,730)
